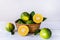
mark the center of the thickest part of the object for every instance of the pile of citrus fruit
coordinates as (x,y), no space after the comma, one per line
(27,18)
(30,18)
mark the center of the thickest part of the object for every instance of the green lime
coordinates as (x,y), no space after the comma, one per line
(25,16)
(29,22)
(45,33)
(19,21)
(10,27)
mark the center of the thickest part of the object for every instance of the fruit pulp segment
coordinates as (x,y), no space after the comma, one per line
(37,18)
(23,30)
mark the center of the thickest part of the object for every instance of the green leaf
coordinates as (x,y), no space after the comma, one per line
(32,14)
(12,32)
(44,18)
(36,32)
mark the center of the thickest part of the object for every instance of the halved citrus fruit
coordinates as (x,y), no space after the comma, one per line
(37,18)
(23,30)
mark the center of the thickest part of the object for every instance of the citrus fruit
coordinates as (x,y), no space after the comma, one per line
(20,21)
(25,16)
(37,18)
(29,22)
(45,33)
(23,30)
(9,27)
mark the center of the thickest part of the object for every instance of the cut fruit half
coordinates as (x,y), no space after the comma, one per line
(23,30)
(37,18)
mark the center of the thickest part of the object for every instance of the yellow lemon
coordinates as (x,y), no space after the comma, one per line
(23,30)
(37,18)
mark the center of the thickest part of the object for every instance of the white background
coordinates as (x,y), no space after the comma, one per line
(10,10)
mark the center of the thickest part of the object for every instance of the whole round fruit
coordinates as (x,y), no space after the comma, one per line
(19,21)
(37,18)
(45,33)
(29,22)
(10,27)
(25,16)
(23,30)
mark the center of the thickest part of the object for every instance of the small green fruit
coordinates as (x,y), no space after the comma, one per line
(25,16)
(19,21)
(45,33)
(10,27)
(29,22)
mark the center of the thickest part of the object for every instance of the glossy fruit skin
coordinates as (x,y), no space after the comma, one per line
(29,22)
(10,27)
(45,33)
(23,30)
(37,18)
(25,16)
(31,15)
(20,21)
